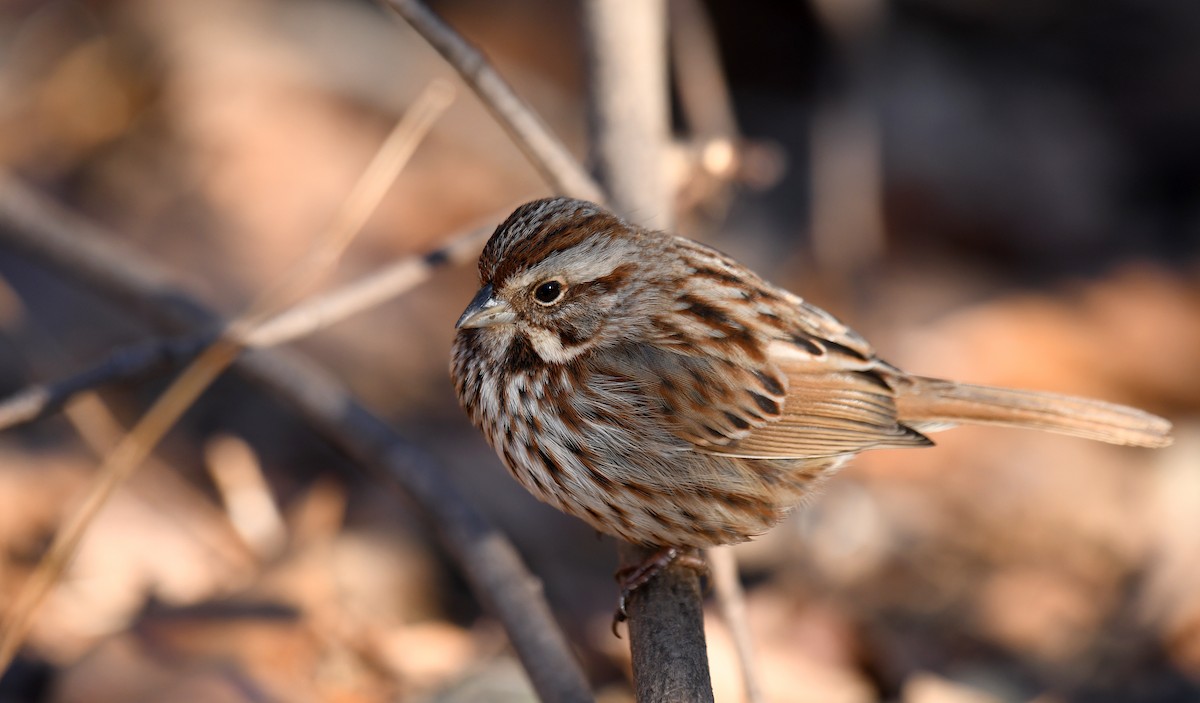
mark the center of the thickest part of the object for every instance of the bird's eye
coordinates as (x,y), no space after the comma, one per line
(549,292)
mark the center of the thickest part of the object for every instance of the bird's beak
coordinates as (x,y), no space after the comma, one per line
(485,311)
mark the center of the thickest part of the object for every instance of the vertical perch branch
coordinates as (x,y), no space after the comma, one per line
(627,71)
(627,83)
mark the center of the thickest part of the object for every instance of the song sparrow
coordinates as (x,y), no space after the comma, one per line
(663,393)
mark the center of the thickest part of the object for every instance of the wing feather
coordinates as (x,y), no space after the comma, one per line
(746,369)
(836,404)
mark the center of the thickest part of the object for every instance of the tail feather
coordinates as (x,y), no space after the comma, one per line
(927,403)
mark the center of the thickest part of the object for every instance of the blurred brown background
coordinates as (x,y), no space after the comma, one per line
(1000,191)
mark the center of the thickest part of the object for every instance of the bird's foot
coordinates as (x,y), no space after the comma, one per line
(633,577)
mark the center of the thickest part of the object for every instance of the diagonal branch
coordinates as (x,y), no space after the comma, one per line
(158,355)
(87,255)
(544,150)
(135,446)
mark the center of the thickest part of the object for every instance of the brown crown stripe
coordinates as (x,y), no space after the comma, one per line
(546,242)
(518,233)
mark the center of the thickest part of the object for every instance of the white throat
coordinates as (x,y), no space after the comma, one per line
(549,346)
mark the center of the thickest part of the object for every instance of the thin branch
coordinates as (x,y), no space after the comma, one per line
(87,255)
(100,431)
(627,82)
(357,208)
(159,355)
(703,91)
(136,446)
(321,311)
(131,363)
(731,602)
(544,150)
(116,468)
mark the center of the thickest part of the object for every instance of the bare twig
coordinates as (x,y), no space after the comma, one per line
(133,449)
(703,92)
(318,312)
(38,400)
(713,155)
(627,74)
(322,311)
(89,256)
(544,150)
(99,430)
(116,468)
(366,195)
(848,229)
(732,604)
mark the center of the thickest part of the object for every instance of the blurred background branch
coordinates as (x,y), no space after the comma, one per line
(157,356)
(486,558)
(561,170)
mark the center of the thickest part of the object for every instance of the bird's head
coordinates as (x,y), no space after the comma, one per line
(559,273)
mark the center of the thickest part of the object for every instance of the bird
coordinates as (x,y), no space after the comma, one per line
(664,393)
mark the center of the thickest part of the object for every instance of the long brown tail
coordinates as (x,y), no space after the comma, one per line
(927,403)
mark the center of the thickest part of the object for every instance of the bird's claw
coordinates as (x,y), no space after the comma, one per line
(632,578)
(620,616)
